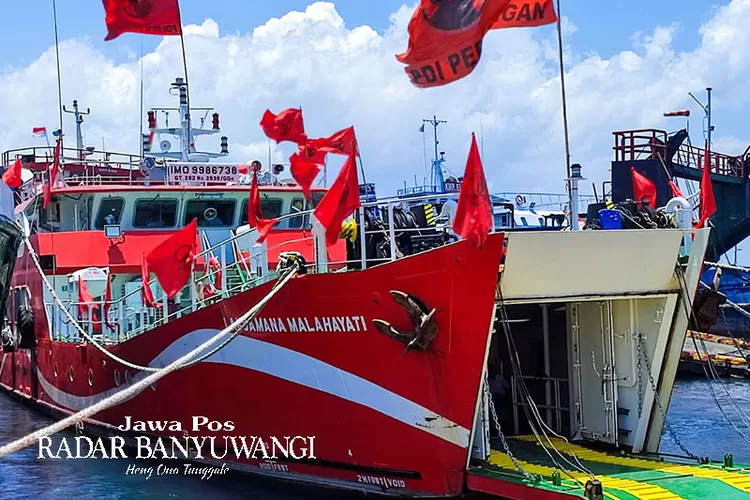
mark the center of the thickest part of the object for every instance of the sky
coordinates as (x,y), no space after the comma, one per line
(626,62)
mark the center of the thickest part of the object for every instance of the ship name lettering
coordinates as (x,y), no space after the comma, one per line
(381,481)
(319,324)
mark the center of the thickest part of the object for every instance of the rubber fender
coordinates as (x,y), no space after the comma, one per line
(25,327)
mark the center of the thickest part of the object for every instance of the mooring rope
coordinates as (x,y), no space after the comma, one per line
(136,388)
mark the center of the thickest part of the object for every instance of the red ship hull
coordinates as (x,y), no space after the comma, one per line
(311,364)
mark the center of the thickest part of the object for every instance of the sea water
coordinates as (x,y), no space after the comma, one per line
(694,419)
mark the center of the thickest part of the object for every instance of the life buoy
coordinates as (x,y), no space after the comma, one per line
(25,327)
(520,200)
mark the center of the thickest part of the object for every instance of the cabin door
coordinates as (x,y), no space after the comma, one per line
(593,373)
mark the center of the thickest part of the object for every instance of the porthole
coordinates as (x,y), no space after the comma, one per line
(153,387)
(91,378)
(54,370)
(128,377)
(70,373)
(117,377)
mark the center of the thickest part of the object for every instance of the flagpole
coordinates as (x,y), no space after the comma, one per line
(59,79)
(140,115)
(187,83)
(564,107)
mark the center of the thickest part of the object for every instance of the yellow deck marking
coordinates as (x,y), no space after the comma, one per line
(643,491)
(739,478)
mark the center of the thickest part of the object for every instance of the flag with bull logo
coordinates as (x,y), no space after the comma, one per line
(446,36)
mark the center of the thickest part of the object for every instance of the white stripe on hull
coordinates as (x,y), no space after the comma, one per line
(294,367)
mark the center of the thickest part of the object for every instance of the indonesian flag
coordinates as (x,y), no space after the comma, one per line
(286,126)
(446,36)
(473,218)
(39,131)
(255,212)
(340,201)
(147,17)
(171,261)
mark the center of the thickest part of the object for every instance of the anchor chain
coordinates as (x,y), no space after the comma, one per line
(640,378)
(642,350)
(500,430)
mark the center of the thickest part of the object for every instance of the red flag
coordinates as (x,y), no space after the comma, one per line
(473,218)
(308,152)
(527,14)
(304,172)
(343,142)
(708,202)
(108,303)
(255,212)
(286,126)
(52,177)
(85,298)
(12,176)
(171,260)
(340,201)
(643,189)
(147,17)
(675,190)
(146,295)
(445,37)
(215,268)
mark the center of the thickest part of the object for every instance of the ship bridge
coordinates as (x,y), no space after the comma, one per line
(662,156)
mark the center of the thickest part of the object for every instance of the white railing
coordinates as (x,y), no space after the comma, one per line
(244,265)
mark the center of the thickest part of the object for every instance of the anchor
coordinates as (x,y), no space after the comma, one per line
(425,327)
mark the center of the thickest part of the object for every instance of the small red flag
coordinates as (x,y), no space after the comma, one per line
(643,189)
(52,177)
(527,14)
(147,17)
(675,190)
(304,172)
(255,212)
(12,176)
(708,202)
(108,302)
(446,36)
(340,201)
(85,298)
(171,260)
(343,142)
(286,126)
(146,294)
(473,218)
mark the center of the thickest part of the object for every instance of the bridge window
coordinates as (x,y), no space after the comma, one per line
(110,212)
(269,207)
(155,213)
(524,222)
(210,213)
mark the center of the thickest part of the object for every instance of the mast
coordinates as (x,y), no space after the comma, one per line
(570,175)
(437,178)
(184,131)
(79,121)
(59,78)
(707,111)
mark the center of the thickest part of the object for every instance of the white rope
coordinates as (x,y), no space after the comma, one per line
(83,332)
(136,388)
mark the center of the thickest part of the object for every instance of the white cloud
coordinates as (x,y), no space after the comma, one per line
(343,75)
